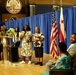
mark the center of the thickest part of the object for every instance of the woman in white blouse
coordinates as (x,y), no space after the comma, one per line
(16,37)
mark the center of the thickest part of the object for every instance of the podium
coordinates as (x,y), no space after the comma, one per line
(13,54)
(10,54)
(5,51)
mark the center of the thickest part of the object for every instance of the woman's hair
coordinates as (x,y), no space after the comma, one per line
(28,28)
(38,29)
(23,28)
(62,46)
(74,33)
(17,29)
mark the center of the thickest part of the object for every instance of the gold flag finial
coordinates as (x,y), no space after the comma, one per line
(54,7)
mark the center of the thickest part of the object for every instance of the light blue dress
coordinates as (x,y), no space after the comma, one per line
(64,62)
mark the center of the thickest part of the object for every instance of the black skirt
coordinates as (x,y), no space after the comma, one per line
(38,51)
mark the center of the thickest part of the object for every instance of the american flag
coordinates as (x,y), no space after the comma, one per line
(62,27)
(54,34)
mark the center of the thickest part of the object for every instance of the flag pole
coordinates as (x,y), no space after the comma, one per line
(53,8)
(61,1)
(53,2)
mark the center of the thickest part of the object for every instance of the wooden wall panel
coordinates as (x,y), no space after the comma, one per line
(24,2)
(7,17)
(64,2)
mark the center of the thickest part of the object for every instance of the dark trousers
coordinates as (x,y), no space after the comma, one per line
(16,44)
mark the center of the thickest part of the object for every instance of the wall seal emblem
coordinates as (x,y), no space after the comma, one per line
(13,6)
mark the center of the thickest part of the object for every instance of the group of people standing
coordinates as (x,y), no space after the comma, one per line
(27,39)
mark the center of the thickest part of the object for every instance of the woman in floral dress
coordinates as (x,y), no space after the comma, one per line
(26,37)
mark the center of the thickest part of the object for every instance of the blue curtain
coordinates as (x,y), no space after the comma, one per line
(2,23)
(44,21)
